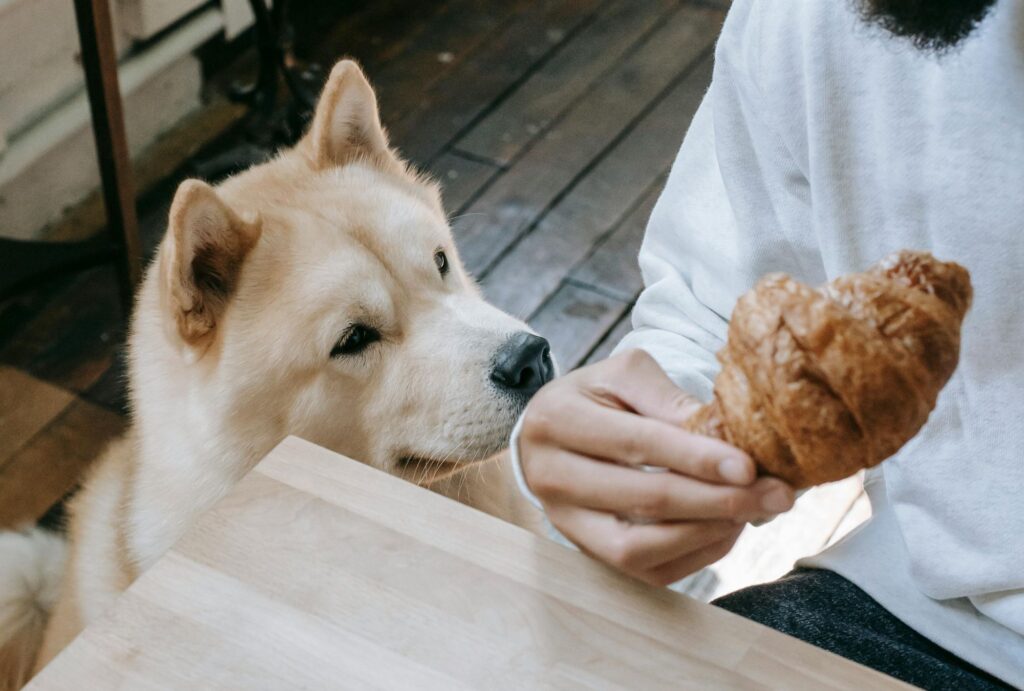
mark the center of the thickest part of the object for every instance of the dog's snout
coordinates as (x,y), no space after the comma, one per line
(523,364)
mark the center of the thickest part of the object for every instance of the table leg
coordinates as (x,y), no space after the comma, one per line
(99,60)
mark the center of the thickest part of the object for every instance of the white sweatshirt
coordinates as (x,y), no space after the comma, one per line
(822,145)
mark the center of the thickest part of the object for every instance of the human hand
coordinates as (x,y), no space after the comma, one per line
(584,441)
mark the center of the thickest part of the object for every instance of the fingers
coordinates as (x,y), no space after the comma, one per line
(567,478)
(651,553)
(634,379)
(582,439)
(667,574)
(615,435)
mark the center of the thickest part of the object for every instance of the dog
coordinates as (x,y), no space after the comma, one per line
(319,294)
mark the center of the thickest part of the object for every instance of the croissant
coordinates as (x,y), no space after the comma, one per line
(819,383)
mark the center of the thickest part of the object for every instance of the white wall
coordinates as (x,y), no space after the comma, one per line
(47,156)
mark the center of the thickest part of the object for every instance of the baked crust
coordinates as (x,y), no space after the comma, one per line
(817,383)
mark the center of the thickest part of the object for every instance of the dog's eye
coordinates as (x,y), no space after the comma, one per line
(355,340)
(441,261)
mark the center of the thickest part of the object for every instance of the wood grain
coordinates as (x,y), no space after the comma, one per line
(611,339)
(507,129)
(596,204)
(562,154)
(71,341)
(426,55)
(461,178)
(27,405)
(320,572)
(574,320)
(52,462)
(450,106)
(612,265)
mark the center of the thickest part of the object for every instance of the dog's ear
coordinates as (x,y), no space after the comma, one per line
(346,125)
(208,243)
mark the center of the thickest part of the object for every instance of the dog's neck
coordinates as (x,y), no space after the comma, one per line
(186,455)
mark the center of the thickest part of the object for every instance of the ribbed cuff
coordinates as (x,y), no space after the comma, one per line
(517,465)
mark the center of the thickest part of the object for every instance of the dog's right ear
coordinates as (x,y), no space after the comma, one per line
(208,244)
(346,126)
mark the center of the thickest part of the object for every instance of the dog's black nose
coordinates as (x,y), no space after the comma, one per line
(523,364)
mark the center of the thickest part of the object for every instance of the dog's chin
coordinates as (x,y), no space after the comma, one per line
(425,469)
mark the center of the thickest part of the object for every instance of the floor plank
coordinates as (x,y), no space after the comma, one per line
(511,206)
(575,320)
(460,179)
(610,340)
(444,110)
(27,405)
(612,266)
(509,128)
(621,178)
(433,50)
(72,340)
(52,462)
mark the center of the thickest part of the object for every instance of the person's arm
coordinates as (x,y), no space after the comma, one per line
(734,207)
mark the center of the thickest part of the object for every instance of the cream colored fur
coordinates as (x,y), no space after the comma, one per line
(252,287)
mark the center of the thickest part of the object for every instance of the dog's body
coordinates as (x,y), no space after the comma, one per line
(318,295)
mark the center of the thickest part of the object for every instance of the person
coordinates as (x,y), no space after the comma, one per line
(832,134)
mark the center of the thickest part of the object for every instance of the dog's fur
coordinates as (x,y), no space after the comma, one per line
(231,345)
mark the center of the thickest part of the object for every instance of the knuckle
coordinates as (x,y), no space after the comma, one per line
(720,550)
(706,465)
(655,504)
(624,551)
(661,580)
(682,403)
(633,451)
(544,481)
(733,503)
(540,420)
(636,357)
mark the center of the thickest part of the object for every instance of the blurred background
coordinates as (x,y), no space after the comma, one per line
(550,123)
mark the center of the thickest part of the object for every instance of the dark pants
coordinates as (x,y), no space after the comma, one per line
(826,610)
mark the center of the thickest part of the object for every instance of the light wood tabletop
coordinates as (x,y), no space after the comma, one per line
(319,572)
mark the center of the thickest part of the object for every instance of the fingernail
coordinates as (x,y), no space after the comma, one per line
(734,470)
(777,500)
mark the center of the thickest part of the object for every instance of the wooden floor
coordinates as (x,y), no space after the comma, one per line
(552,125)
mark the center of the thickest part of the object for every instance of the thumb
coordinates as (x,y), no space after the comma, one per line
(641,385)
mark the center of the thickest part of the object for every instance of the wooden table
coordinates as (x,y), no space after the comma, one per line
(320,572)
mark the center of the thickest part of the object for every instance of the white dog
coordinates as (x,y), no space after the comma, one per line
(320,295)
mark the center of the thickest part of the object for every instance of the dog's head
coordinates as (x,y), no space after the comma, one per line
(321,294)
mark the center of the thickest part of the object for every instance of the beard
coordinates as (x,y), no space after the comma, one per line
(932,25)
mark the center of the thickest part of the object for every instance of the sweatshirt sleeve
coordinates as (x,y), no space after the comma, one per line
(735,206)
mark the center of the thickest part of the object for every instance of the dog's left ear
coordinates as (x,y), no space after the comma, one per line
(208,242)
(346,126)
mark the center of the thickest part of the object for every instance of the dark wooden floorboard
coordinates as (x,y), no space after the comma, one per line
(564,235)
(509,128)
(535,31)
(455,33)
(49,465)
(563,154)
(575,320)
(612,266)
(460,178)
(610,340)
(71,342)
